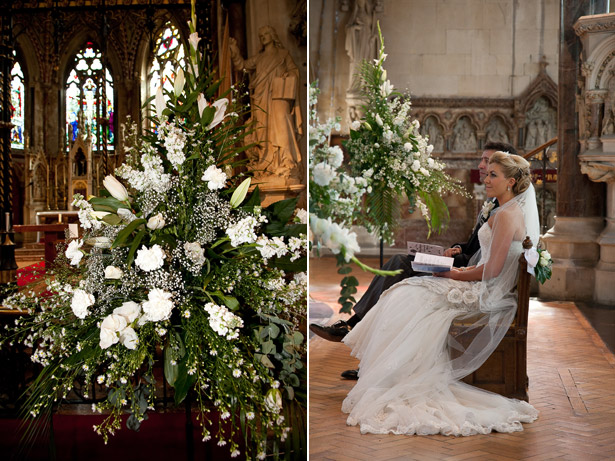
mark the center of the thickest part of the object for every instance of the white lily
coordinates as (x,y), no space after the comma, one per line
(220,106)
(115,188)
(202,103)
(180,81)
(160,102)
(194,40)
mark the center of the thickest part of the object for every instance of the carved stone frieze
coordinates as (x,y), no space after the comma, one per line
(594,23)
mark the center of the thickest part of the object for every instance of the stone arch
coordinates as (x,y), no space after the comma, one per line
(600,64)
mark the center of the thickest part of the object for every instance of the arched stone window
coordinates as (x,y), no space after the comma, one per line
(18,106)
(167,56)
(89,99)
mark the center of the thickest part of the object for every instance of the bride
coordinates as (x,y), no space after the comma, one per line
(408,382)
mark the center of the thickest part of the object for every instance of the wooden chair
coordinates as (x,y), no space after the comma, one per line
(505,371)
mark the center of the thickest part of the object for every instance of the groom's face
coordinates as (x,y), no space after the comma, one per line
(484,164)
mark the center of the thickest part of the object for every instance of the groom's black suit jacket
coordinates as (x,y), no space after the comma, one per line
(404,262)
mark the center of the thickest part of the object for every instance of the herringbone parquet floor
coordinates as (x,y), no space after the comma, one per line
(572,384)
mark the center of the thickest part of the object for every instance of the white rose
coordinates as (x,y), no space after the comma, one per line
(115,188)
(195,252)
(273,400)
(107,338)
(215,177)
(113,273)
(156,222)
(469,297)
(150,259)
(130,310)
(302,216)
(80,303)
(335,157)
(355,125)
(129,338)
(158,306)
(455,296)
(74,253)
(323,173)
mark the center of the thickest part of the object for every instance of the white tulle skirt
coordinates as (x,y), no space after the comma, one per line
(405,382)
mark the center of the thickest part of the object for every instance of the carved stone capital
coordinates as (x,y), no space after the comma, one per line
(599,171)
(596,96)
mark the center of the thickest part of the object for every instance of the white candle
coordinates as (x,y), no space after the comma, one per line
(7,217)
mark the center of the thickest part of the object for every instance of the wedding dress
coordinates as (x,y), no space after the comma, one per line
(408,382)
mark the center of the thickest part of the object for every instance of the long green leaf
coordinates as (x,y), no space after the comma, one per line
(125,233)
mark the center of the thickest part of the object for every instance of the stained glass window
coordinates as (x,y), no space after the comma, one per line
(17,102)
(89,97)
(168,56)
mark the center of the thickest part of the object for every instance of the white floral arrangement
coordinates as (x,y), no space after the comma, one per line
(539,263)
(178,265)
(386,148)
(488,206)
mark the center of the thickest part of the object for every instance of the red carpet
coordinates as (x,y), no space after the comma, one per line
(161,437)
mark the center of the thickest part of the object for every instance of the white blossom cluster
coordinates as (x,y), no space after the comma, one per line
(151,177)
(191,255)
(223,321)
(276,247)
(174,142)
(87,216)
(244,230)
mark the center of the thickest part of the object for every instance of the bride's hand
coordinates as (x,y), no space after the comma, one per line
(452,274)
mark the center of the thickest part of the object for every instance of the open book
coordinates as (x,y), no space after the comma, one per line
(416,247)
(431,263)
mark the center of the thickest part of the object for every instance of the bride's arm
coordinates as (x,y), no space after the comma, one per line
(503,226)
(468,274)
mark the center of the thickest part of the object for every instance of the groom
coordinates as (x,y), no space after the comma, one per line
(461,252)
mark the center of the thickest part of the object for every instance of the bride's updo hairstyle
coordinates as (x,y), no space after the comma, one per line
(516,167)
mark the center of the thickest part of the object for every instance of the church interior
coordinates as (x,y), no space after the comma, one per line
(531,74)
(74,75)
(539,75)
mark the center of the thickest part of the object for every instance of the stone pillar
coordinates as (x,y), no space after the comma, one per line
(573,240)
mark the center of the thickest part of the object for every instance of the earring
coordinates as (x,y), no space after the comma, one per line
(508,188)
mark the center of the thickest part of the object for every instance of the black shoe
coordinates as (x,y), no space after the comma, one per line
(335,332)
(351,374)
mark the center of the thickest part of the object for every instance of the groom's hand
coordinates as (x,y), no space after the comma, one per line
(452,252)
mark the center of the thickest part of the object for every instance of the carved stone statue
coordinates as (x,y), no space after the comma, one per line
(608,122)
(464,138)
(496,131)
(361,39)
(274,99)
(540,124)
(432,129)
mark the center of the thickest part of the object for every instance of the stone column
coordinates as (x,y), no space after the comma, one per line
(573,240)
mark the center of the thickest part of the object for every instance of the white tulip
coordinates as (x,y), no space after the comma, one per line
(115,188)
